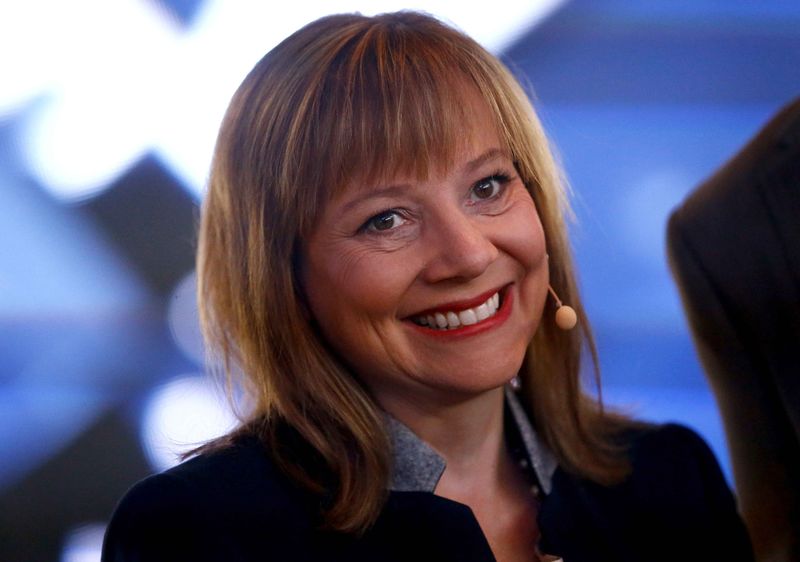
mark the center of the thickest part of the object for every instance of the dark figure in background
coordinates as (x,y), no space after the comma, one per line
(734,248)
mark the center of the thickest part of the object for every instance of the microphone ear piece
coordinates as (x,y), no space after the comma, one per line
(566,317)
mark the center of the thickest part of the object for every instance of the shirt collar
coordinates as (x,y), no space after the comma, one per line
(418,467)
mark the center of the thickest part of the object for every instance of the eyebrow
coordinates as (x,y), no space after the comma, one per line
(385,191)
(396,189)
(487,156)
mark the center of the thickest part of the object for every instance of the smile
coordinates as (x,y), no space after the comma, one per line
(452,319)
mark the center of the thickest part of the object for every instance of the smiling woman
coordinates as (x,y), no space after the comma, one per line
(383,226)
(463,247)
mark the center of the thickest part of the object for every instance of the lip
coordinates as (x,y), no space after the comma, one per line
(458,306)
(507,303)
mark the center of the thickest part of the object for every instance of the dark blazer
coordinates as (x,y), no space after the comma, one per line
(734,248)
(234,505)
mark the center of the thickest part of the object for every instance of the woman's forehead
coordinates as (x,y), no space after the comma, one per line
(466,165)
(474,140)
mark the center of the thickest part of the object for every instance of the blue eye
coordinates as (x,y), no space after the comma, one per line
(384,221)
(488,187)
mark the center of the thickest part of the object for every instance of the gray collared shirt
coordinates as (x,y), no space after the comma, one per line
(418,468)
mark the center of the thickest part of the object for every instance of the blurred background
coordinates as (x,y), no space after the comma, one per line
(108,115)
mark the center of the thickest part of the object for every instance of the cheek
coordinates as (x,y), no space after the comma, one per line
(355,301)
(524,237)
(353,286)
(525,243)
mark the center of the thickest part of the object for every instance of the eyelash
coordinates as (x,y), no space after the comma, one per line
(500,177)
(369,226)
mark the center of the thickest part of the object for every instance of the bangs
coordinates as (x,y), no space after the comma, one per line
(396,100)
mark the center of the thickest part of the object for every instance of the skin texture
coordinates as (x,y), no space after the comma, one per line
(382,254)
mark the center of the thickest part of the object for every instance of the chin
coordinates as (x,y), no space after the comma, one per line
(480,381)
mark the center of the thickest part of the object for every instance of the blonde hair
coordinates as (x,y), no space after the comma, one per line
(351,97)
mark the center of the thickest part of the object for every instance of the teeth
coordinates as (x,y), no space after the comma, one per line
(483,312)
(453,320)
(449,320)
(468,317)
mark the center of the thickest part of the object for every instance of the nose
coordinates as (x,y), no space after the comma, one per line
(460,248)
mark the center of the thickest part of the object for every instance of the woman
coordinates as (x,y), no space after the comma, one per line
(382,231)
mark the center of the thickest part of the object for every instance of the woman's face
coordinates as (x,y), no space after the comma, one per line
(389,264)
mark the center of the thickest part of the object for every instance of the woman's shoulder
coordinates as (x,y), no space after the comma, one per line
(239,470)
(664,459)
(667,444)
(227,495)
(672,466)
(675,503)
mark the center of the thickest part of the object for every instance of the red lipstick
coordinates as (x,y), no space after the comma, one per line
(502,314)
(458,306)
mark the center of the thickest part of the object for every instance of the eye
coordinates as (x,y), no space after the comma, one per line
(489,187)
(382,222)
